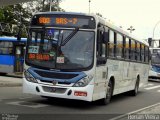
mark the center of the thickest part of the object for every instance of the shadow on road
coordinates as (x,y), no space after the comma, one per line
(11,75)
(81,105)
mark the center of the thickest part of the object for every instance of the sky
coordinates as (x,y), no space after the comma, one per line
(143,15)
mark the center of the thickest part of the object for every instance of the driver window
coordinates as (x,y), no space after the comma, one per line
(101,48)
(102,45)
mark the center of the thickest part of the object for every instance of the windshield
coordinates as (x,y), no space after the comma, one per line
(156,57)
(60,49)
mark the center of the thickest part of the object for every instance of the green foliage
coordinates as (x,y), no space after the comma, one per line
(20,14)
(14,15)
(43,6)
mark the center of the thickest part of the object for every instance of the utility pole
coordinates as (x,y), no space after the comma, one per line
(57,5)
(50,6)
(131,29)
(89,5)
(56,2)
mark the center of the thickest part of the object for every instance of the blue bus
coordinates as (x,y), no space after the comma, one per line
(154,73)
(11,54)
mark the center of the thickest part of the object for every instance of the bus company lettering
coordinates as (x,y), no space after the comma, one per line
(64,21)
(39,56)
(44,20)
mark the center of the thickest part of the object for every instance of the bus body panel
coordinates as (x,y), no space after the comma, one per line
(125,75)
(154,74)
(29,87)
(7,63)
(7,60)
(100,82)
(11,61)
(6,69)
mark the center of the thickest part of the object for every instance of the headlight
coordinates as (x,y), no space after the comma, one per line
(83,82)
(29,77)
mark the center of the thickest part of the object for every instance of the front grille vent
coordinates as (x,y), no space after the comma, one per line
(55,75)
(65,83)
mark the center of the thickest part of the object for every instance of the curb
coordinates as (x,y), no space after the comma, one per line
(10,84)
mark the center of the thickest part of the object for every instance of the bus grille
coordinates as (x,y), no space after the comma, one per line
(64,83)
(55,75)
(54,89)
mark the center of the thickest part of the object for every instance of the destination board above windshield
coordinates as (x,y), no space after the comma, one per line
(85,22)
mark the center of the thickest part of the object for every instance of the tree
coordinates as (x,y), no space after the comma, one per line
(14,15)
(20,14)
(43,6)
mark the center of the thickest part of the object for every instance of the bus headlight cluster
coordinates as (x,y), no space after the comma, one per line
(83,82)
(29,77)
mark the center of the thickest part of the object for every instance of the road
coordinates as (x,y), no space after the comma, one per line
(13,101)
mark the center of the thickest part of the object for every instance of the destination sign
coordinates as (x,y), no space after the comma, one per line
(57,20)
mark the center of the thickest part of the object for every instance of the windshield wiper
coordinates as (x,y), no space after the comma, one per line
(71,35)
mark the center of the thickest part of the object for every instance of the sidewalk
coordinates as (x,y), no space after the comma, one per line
(10,81)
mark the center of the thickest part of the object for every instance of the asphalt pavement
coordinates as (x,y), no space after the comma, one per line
(153,110)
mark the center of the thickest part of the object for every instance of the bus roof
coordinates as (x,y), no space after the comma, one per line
(100,20)
(65,13)
(13,39)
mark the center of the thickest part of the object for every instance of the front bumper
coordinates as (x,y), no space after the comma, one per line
(58,91)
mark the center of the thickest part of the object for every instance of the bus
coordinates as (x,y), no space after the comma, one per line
(82,57)
(154,73)
(11,55)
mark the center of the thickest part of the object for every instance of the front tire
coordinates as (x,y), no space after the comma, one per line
(109,94)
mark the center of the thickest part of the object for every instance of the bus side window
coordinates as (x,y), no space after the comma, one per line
(102,38)
(6,48)
(119,46)
(146,54)
(127,48)
(111,44)
(138,51)
(142,53)
(133,49)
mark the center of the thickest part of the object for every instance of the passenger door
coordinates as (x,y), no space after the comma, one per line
(101,68)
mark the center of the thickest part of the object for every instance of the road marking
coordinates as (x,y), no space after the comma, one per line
(154,87)
(22,98)
(27,104)
(134,112)
(150,84)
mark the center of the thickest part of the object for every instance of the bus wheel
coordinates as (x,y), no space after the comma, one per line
(108,97)
(135,91)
